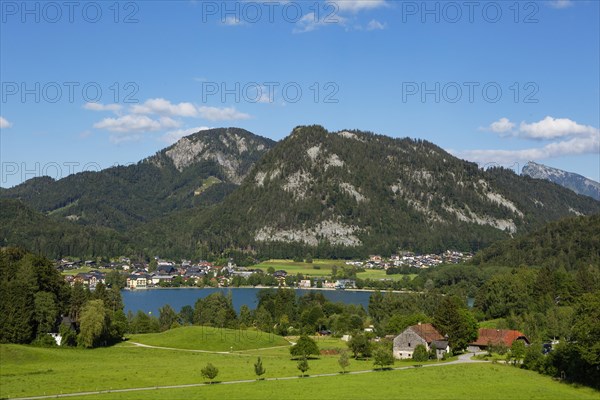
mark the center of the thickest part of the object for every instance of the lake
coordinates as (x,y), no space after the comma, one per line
(151,300)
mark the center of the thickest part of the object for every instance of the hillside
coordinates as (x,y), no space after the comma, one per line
(198,170)
(348,193)
(334,195)
(20,225)
(570,242)
(577,183)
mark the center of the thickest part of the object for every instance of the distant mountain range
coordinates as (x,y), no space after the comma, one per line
(333,194)
(577,183)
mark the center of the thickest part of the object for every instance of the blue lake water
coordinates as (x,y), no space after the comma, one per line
(151,300)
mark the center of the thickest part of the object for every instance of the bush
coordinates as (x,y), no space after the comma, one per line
(420,354)
(44,340)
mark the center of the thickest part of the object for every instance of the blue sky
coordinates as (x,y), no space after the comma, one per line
(87,85)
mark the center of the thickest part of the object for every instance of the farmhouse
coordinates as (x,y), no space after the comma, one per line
(425,334)
(495,337)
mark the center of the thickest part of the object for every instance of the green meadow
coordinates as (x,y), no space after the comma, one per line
(33,371)
(321,267)
(481,381)
(211,339)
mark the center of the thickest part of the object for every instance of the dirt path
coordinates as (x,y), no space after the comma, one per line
(236,352)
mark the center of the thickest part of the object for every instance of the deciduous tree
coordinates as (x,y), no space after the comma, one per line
(209,372)
(305,347)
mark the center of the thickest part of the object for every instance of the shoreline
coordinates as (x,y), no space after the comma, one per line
(271,287)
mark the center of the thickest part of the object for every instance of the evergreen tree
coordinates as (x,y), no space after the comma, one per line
(259,370)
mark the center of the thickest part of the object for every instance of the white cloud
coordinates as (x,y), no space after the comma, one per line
(165,107)
(173,136)
(135,123)
(311,22)
(102,107)
(374,25)
(503,125)
(570,138)
(575,146)
(358,5)
(561,3)
(4,124)
(221,114)
(551,128)
(233,20)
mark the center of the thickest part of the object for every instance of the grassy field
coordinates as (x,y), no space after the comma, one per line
(452,382)
(471,381)
(77,271)
(30,371)
(211,339)
(323,268)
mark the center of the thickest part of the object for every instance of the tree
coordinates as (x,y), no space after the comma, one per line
(186,315)
(209,372)
(420,354)
(360,345)
(382,356)
(586,330)
(259,370)
(46,311)
(433,352)
(453,319)
(517,351)
(92,323)
(344,361)
(245,317)
(304,347)
(534,358)
(303,365)
(215,310)
(167,317)
(309,259)
(116,279)
(153,265)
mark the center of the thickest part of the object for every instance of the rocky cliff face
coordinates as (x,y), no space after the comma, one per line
(357,189)
(234,150)
(577,183)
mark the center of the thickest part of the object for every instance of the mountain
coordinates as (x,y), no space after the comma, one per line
(570,242)
(198,170)
(21,225)
(352,193)
(330,194)
(577,183)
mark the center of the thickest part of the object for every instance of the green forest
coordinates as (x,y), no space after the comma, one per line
(393,194)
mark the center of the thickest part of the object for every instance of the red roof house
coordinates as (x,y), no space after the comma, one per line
(498,336)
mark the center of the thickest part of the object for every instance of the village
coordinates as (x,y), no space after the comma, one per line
(169,273)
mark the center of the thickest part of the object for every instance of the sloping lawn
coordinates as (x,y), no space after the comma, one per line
(211,339)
